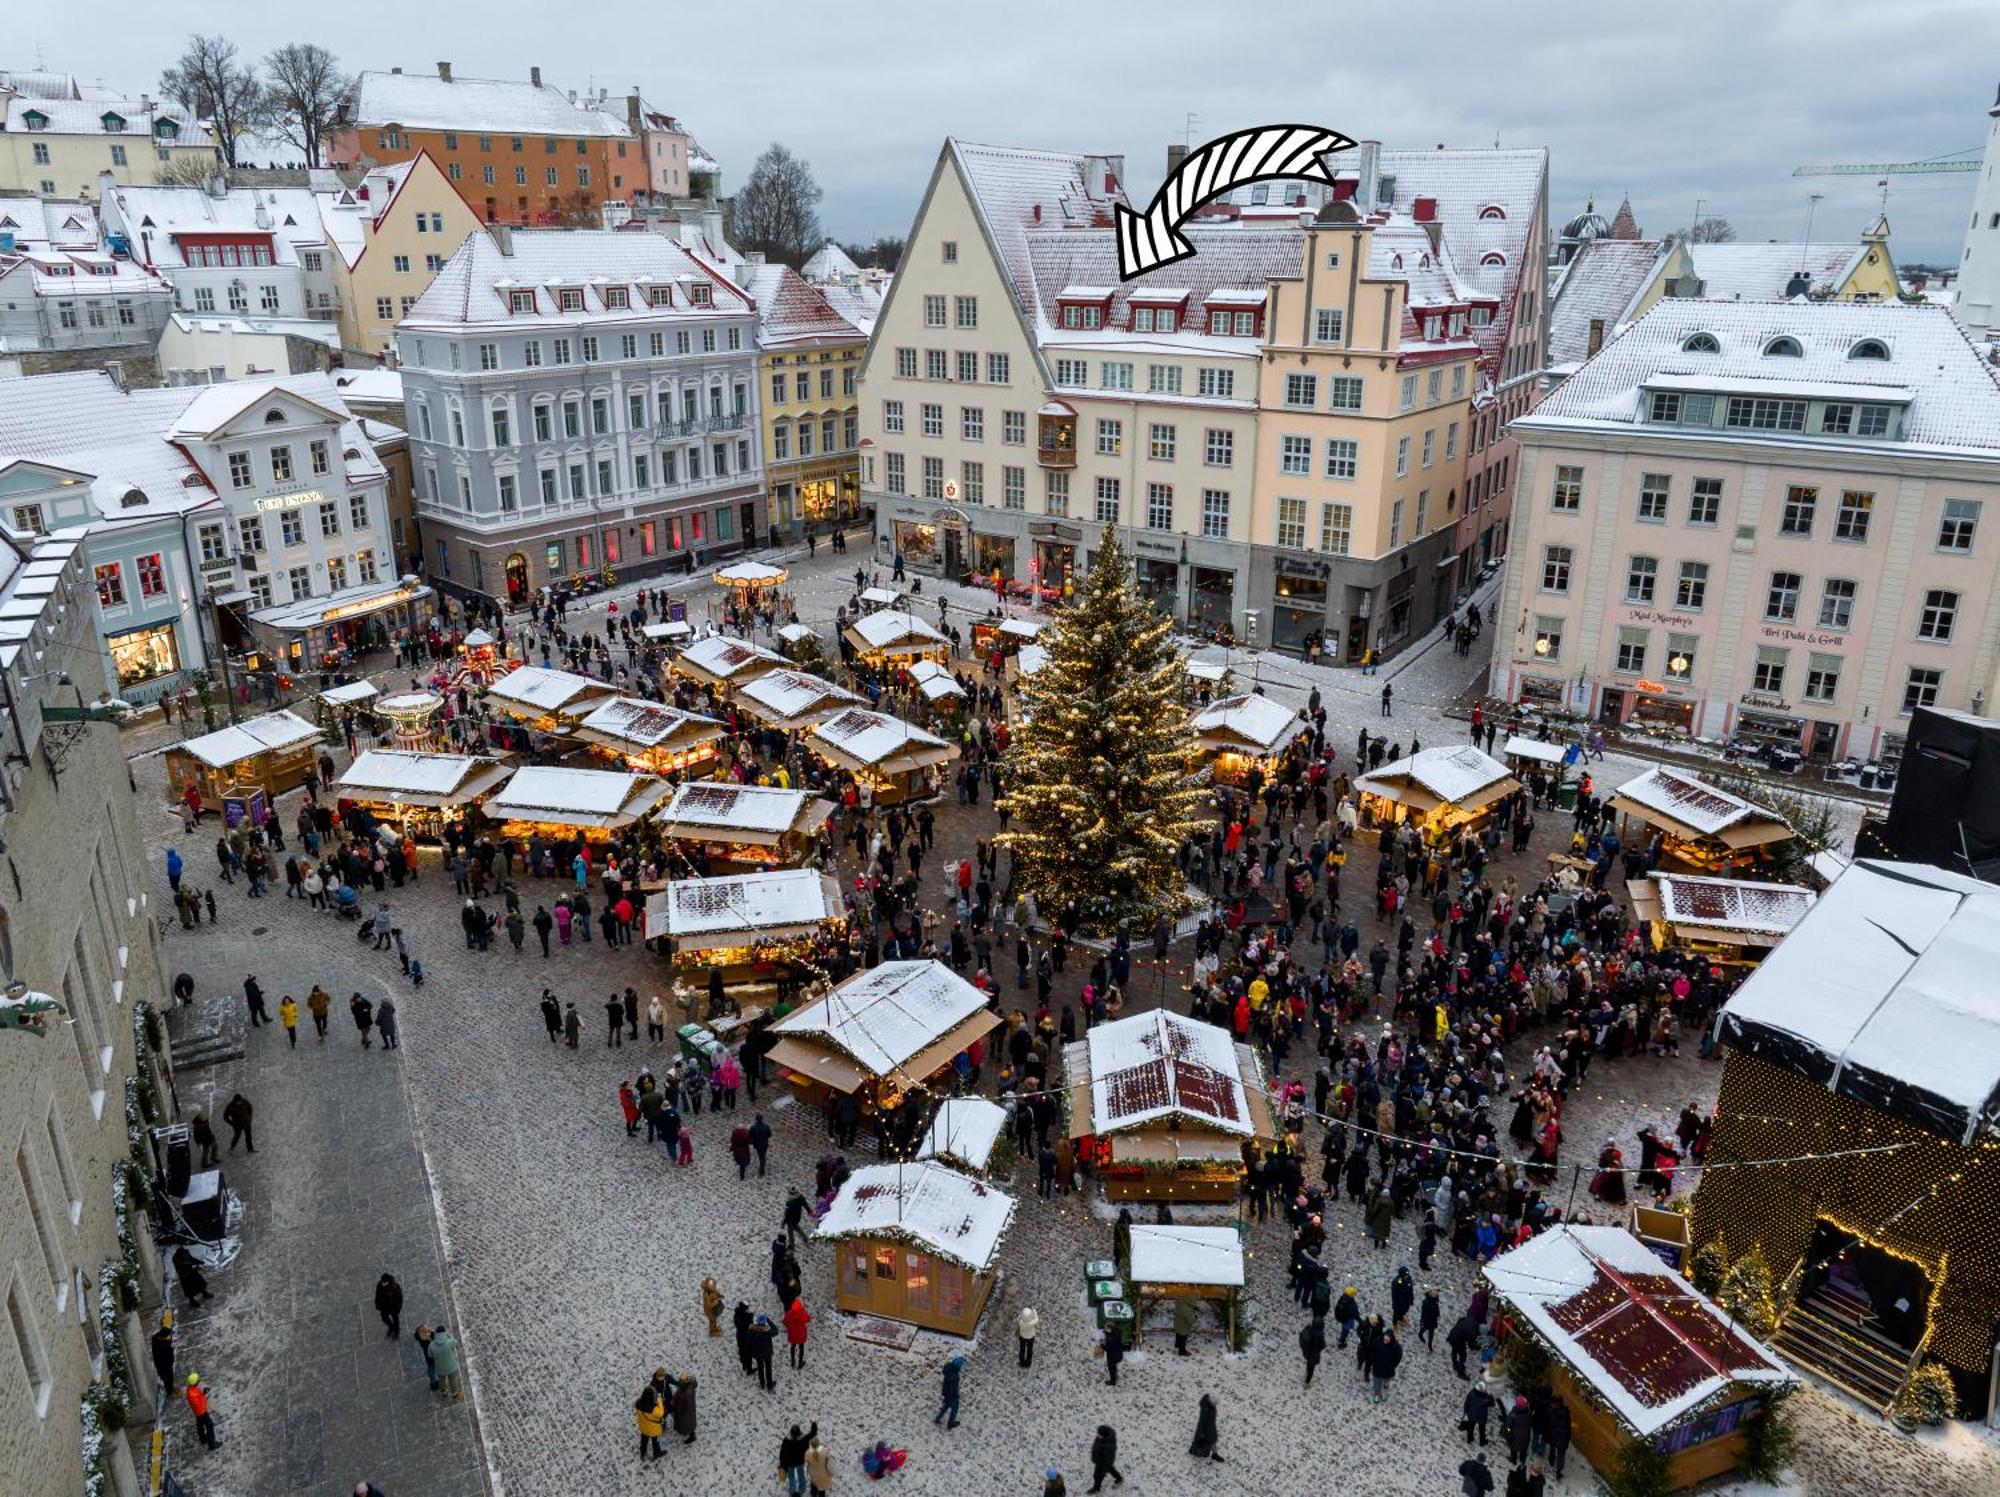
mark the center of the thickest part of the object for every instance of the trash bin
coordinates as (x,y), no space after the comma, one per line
(1566,797)
(1117,1313)
(1099,1268)
(1105,1292)
(691,1037)
(1869,774)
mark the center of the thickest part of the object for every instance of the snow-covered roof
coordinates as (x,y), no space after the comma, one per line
(880,597)
(1255,722)
(49,223)
(642,724)
(887,1014)
(1954,396)
(1186,1255)
(792,634)
(1015,191)
(1638,1334)
(888,628)
(477,282)
(924,1203)
(537,689)
(1457,774)
(1702,809)
(1230,268)
(1887,991)
(873,738)
(424,101)
(1598,286)
(724,657)
(934,681)
(392,774)
(1023,628)
(362,597)
(1520,747)
(701,913)
(87,117)
(964,1130)
(577,797)
(787,696)
(829,263)
(244,740)
(860,305)
(1728,904)
(1159,1065)
(791,311)
(348,695)
(1031,658)
(371,386)
(1737,271)
(733,808)
(669,629)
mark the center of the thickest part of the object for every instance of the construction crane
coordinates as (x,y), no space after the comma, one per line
(1956,161)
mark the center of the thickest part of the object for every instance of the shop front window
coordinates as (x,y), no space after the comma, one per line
(917,541)
(917,1296)
(144,654)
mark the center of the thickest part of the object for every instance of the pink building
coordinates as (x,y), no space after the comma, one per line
(1762,519)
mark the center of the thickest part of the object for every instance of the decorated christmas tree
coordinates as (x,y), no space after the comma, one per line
(1099,776)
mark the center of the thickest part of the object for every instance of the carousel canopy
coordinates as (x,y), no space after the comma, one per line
(1156,1066)
(413,779)
(757,814)
(949,1214)
(791,698)
(964,1131)
(860,739)
(632,723)
(749,574)
(892,631)
(704,913)
(1459,776)
(532,690)
(1246,725)
(479,639)
(353,694)
(1638,1334)
(724,660)
(245,740)
(888,1016)
(1187,1255)
(1887,991)
(1685,807)
(594,798)
(1751,914)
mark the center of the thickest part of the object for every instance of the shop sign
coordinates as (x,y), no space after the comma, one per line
(1157,548)
(1288,567)
(1048,530)
(1541,689)
(1769,699)
(290,501)
(1802,636)
(1656,616)
(1650,686)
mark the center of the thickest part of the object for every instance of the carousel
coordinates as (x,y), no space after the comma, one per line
(549,701)
(751,584)
(891,636)
(793,700)
(1701,828)
(896,761)
(1240,734)
(724,662)
(414,720)
(241,770)
(479,655)
(418,793)
(1724,919)
(759,930)
(652,737)
(557,804)
(1439,789)
(726,826)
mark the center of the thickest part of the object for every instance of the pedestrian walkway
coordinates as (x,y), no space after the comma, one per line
(310,1396)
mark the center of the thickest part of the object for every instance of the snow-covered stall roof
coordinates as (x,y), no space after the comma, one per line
(862,739)
(1212,671)
(671,630)
(1250,724)
(880,597)
(403,777)
(701,913)
(793,634)
(634,723)
(964,1131)
(596,798)
(1642,1337)
(246,740)
(703,810)
(1030,659)
(1159,1065)
(889,1014)
(952,1215)
(1688,807)
(533,690)
(790,698)
(1023,628)
(1519,747)
(894,631)
(721,660)
(934,681)
(1187,1255)
(1454,775)
(1721,906)
(1887,992)
(352,694)
(478,639)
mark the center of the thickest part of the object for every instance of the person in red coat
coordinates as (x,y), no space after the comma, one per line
(797,1318)
(628,1100)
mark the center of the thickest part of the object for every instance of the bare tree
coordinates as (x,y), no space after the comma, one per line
(886,253)
(1709,230)
(305,95)
(211,84)
(776,211)
(185,170)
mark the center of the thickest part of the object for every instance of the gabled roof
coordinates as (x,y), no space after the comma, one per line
(1158,1065)
(1253,723)
(1453,774)
(704,913)
(888,1014)
(591,798)
(1015,191)
(964,1131)
(860,737)
(923,1203)
(86,117)
(1693,804)
(1761,272)
(1226,260)
(424,101)
(830,262)
(540,689)
(216,407)
(790,310)
(632,722)
(244,740)
(1730,904)
(1599,285)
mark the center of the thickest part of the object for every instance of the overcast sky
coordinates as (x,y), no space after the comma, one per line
(1674,104)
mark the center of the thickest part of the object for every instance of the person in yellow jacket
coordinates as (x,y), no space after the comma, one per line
(1260,993)
(288,1015)
(649,1412)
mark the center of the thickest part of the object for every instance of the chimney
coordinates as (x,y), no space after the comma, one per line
(572,96)
(1368,162)
(1038,213)
(395,70)
(444,71)
(632,119)
(1424,210)
(1596,337)
(1175,156)
(535,77)
(503,237)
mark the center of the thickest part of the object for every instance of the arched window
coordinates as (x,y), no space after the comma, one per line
(1701,343)
(1783,348)
(1493,257)
(1493,211)
(1869,348)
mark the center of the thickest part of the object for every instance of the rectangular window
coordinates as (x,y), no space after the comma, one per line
(1556,561)
(1295,456)
(1343,457)
(933,478)
(1681,656)
(357,511)
(1940,613)
(1014,487)
(1292,523)
(968,371)
(1837,418)
(1344,392)
(1666,406)
(329,518)
(965,311)
(1336,528)
(1215,512)
(1402,457)
(906,363)
(1163,379)
(1430,447)
(1159,506)
(300,581)
(893,473)
(934,363)
(1872,421)
(320,457)
(1850,522)
(972,482)
(250,534)
(336,573)
(932,420)
(1217,384)
(1117,375)
(110,585)
(892,417)
(1407,399)
(1110,437)
(1451,441)
(1921,687)
(1960,525)
(1754,413)
(510,498)
(1631,659)
(1433,386)
(1107,501)
(1162,440)
(1822,677)
(971,423)
(1218,448)
(1705,501)
(1302,390)
(548,484)
(1768,673)
(1836,603)
(1642,576)
(291,528)
(934,311)
(781,442)
(240,474)
(1781,599)
(999,370)
(28,1345)
(1395,524)
(1327,323)
(1800,506)
(1013,428)
(1567,496)
(1055,496)
(1655,491)
(1548,637)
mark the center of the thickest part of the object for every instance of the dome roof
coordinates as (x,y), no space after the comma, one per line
(1589,224)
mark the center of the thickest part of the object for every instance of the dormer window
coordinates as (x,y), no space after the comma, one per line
(36,120)
(701,294)
(132,499)
(570,298)
(114,124)
(1784,348)
(1082,317)
(1701,343)
(617,298)
(1869,348)
(663,296)
(1493,257)
(1493,213)
(166,127)
(520,301)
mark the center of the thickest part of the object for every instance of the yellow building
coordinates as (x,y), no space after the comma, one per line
(391,234)
(809,359)
(58,147)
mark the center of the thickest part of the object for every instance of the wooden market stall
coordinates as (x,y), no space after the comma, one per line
(232,766)
(655,737)
(897,761)
(1725,919)
(995,639)
(880,1033)
(759,929)
(671,634)
(358,696)
(1170,1261)
(550,701)
(1636,1352)
(1170,1103)
(592,804)
(418,793)
(729,826)
(1240,733)
(893,636)
(934,683)
(725,662)
(1702,829)
(873,598)
(1206,679)
(1440,789)
(1525,755)
(964,1133)
(915,1243)
(801,641)
(792,700)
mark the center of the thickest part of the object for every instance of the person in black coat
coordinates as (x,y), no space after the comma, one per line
(1463,1336)
(1476,1478)
(389,1304)
(742,1319)
(1519,1422)
(1402,1295)
(1478,1408)
(763,1346)
(1368,1336)
(1558,1436)
(1204,1431)
(1104,1458)
(1312,1344)
(1114,1353)
(1427,1318)
(1388,1356)
(1346,1311)
(162,1344)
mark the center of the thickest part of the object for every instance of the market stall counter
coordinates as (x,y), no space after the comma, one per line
(653,737)
(739,827)
(234,766)
(594,804)
(419,793)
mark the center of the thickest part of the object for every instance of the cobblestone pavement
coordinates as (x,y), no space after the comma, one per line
(575,1255)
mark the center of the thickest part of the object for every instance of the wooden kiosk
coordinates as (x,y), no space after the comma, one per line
(547,700)
(1169,1261)
(418,793)
(934,683)
(915,1243)
(357,695)
(1170,1102)
(1703,829)
(793,700)
(897,761)
(269,754)
(743,826)
(724,662)
(755,927)
(593,804)
(1237,734)
(1636,1351)
(654,737)
(891,636)
(1724,919)
(964,1132)
(1440,789)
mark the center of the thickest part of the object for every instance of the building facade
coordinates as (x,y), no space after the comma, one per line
(809,360)
(243,251)
(388,236)
(59,144)
(1977,296)
(1764,520)
(580,402)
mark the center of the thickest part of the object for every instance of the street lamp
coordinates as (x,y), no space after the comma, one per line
(1678,664)
(1541,644)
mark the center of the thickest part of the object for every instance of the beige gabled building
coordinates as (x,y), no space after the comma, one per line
(390,234)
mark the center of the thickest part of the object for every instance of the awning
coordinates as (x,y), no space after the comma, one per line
(822,1062)
(348,603)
